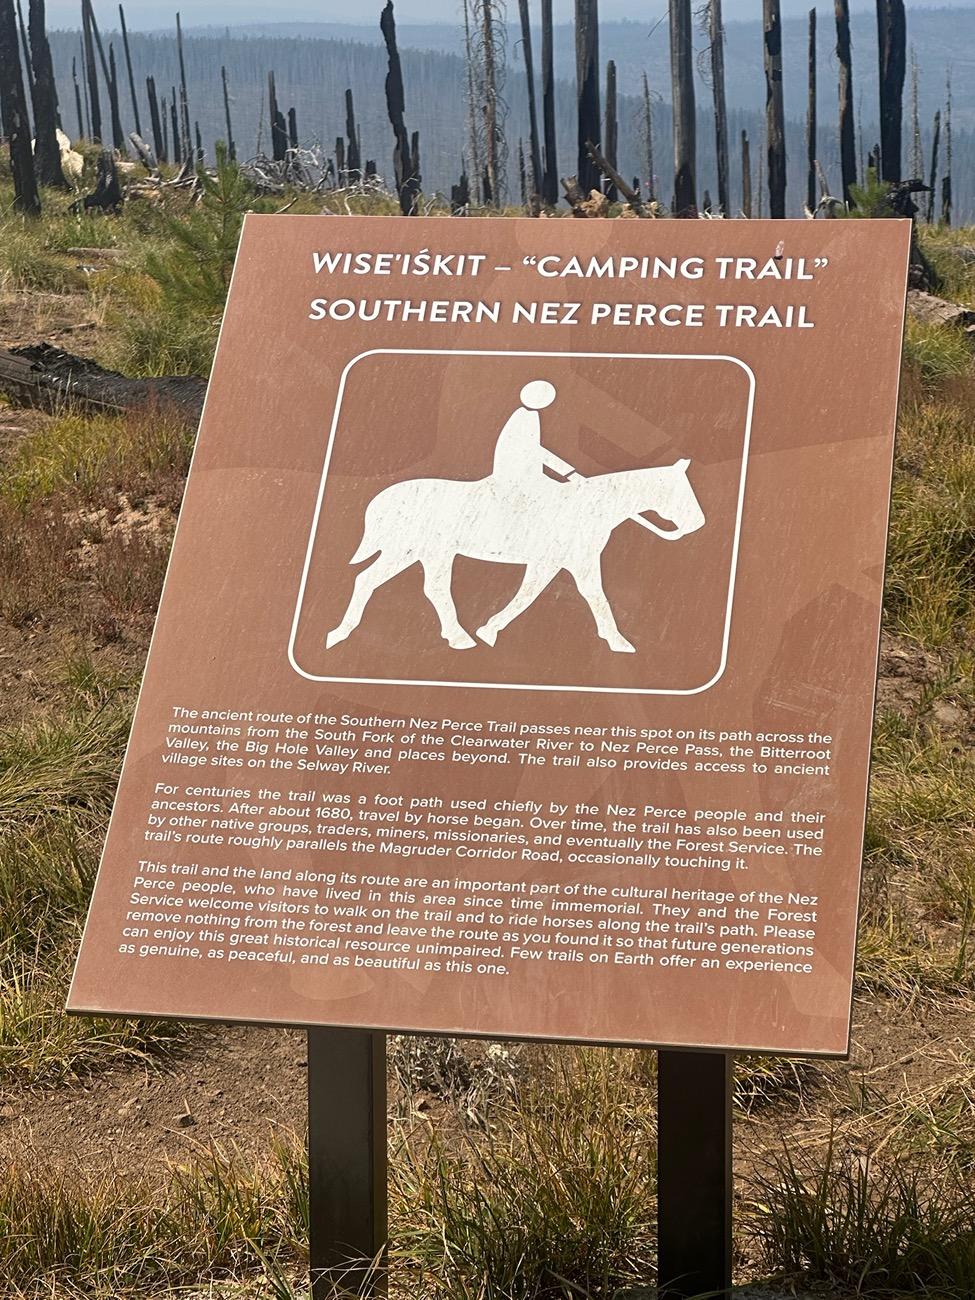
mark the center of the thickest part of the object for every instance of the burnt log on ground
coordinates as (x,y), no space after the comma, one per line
(47,377)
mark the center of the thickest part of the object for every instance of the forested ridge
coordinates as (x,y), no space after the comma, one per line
(313,71)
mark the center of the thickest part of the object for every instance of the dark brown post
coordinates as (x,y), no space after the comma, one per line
(231,146)
(47,151)
(811,199)
(13,103)
(405,155)
(587,90)
(550,184)
(933,181)
(694,1173)
(848,153)
(347,1177)
(612,128)
(128,64)
(746,176)
(716,40)
(682,98)
(535,152)
(892,45)
(774,109)
(91,74)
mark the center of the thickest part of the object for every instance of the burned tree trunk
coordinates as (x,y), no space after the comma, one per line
(292,128)
(405,156)
(91,74)
(648,139)
(682,97)
(492,134)
(550,182)
(231,146)
(746,176)
(534,151)
(118,135)
(279,130)
(933,181)
(848,153)
(128,65)
(587,90)
(946,179)
(184,100)
(13,104)
(174,125)
(77,99)
(811,199)
(892,45)
(47,151)
(716,40)
(354,154)
(612,128)
(28,63)
(774,108)
(473,133)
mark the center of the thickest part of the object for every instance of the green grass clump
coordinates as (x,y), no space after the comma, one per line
(214,1219)
(92,457)
(841,1219)
(936,352)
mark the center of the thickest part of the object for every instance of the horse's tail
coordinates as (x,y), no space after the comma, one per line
(368,546)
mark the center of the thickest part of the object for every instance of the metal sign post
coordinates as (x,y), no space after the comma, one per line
(694,1173)
(347,1164)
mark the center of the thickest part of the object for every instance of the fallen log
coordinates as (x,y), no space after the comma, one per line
(48,377)
(931,310)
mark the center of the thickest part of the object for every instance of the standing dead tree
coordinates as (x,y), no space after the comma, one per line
(550,183)
(91,75)
(746,177)
(473,129)
(774,108)
(647,140)
(77,99)
(715,31)
(848,153)
(534,149)
(682,98)
(231,145)
(128,66)
(353,157)
(892,47)
(933,182)
(946,179)
(811,197)
(405,153)
(490,31)
(587,89)
(279,129)
(186,144)
(111,81)
(612,128)
(917,154)
(13,109)
(28,62)
(47,151)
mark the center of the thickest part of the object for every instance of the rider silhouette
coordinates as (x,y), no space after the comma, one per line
(519,456)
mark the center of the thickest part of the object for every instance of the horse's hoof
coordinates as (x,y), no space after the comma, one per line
(621,646)
(487,634)
(461,642)
(336,635)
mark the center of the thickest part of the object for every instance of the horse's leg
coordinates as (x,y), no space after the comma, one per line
(381,570)
(536,579)
(436,587)
(589,579)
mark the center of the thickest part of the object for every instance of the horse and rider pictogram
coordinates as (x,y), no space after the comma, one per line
(534,509)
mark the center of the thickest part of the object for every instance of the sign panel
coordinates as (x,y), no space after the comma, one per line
(514,671)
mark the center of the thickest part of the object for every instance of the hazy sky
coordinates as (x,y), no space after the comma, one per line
(159,13)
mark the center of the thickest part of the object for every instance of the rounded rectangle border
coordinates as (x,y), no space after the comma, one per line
(528,686)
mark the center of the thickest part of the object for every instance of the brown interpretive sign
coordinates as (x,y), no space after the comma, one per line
(514,670)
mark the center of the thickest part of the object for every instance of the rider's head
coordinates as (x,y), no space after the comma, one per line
(538,394)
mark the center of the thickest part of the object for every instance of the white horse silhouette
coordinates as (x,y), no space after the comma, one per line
(547,526)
